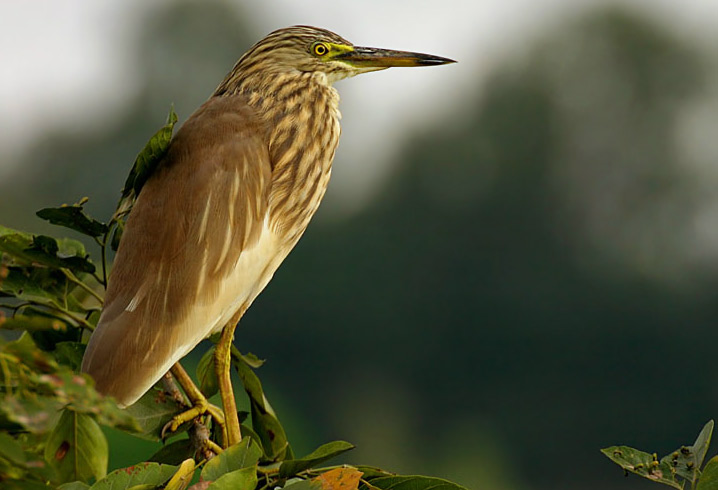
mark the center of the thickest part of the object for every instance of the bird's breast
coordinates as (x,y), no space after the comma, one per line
(302,143)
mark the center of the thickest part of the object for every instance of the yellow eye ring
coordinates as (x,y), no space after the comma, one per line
(320,49)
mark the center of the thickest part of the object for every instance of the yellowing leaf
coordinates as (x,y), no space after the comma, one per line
(340,479)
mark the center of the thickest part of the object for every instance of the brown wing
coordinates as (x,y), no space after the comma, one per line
(201,210)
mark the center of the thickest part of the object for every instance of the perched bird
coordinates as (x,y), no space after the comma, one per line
(230,199)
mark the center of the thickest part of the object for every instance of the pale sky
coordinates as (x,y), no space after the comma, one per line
(62,63)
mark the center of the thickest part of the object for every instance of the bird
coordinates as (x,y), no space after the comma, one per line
(235,191)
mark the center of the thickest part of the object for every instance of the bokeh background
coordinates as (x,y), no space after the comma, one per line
(516,262)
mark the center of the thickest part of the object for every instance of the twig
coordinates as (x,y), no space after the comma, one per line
(14,308)
(73,278)
(67,313)
(103,250)
(6,375)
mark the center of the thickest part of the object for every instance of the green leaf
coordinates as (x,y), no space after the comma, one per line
(76,392)
(304,485)
(41,387)
(248,432)
(49,287)
(149,157)
(70,354)
(264,421)
(174,453)
(34,414)
(74,218)
(44,386)
(413,483)
(25,350)
(32,323)
(11,450)
(26,249)
(75,485)
(207,375)
(700,447)
(242,455)
(14,243)
(23,485)
(46,339)
(709,477)
(250,359)
(117,235)
(153,411)
(46,250)
(643,464)
(687,460)
(77,448)
(242,479)
(323,453)
(140,474)
(64,252)
(372,472)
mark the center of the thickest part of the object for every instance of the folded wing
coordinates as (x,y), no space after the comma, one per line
(195,249)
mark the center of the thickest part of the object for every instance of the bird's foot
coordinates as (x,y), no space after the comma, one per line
(200,438)
(201,407)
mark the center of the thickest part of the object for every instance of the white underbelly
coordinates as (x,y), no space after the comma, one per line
(238,289)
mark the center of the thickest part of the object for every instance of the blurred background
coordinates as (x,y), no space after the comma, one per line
(517,261)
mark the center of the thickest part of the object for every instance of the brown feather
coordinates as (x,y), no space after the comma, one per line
(161,256)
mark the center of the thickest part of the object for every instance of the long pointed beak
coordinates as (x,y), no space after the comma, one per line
(363,57)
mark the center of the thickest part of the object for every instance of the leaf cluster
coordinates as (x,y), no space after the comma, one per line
(51,415)
(675,469)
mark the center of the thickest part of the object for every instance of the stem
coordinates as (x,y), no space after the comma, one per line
(6,375)
(67,313)
(169,385)
(54,307)
(73,278)
(103,253)
(97,278)
(14,308)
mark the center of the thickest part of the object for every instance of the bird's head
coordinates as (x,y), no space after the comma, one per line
(311,49)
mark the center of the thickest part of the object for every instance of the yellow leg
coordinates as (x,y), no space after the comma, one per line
(222,363)
(199,402)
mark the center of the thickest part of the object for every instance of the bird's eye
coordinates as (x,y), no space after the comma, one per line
(320,49)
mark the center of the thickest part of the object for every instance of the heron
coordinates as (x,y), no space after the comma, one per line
(235,191)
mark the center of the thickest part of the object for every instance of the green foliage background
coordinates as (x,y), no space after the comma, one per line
(513,299)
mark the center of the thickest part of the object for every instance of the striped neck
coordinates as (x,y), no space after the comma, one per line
(301,112)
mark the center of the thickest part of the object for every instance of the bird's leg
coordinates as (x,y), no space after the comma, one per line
(222,363)
(200,405)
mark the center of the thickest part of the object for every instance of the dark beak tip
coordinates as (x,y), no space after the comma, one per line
(441,61)
(432,60)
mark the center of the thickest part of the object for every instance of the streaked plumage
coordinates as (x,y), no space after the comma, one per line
(235,192)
